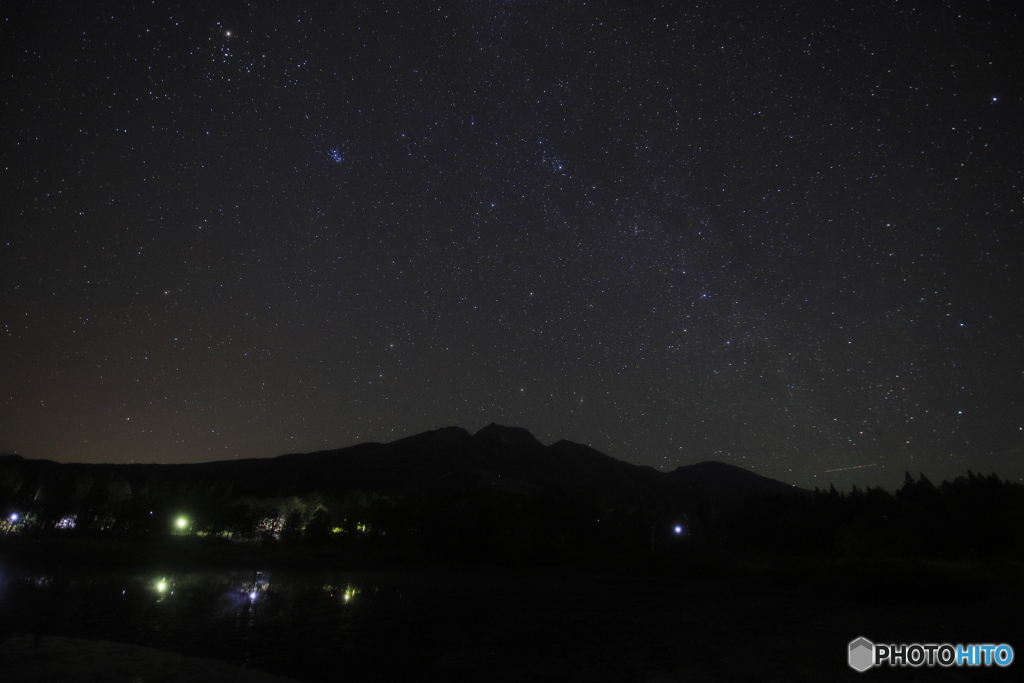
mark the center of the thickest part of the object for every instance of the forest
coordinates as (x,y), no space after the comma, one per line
(971,517)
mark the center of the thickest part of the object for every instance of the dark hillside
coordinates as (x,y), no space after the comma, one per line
(716,483)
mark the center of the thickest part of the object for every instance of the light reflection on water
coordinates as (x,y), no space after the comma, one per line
(423,625)
(252,618)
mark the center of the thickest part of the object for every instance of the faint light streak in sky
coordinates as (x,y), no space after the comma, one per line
(855,467)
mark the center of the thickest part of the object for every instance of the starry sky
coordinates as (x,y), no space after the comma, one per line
(781,235)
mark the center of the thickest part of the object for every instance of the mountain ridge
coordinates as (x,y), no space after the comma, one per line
(450,459)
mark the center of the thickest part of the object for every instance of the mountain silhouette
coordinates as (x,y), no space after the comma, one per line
(495,459)
(713,482)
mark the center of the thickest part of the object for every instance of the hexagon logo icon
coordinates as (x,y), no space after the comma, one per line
(862,654)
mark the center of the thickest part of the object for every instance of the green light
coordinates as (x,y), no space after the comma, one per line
(181,523)
(161,585)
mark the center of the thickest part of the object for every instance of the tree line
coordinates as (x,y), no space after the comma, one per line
(972,516)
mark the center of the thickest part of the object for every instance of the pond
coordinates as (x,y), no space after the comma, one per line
(424,625)
(447,625)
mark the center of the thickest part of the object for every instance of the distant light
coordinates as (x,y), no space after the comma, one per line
(161,585)
(181,522)
(252,596)
(678,530)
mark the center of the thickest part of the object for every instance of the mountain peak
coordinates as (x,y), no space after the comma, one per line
(515,437)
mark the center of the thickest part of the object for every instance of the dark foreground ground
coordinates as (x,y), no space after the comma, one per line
(327,616)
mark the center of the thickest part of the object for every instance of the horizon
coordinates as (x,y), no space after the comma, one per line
(843,485)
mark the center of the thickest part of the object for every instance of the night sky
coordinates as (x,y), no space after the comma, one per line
(786,237)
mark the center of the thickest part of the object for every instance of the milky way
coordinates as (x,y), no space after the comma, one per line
(785,237)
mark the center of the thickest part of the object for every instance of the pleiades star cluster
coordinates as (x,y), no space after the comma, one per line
(782,235)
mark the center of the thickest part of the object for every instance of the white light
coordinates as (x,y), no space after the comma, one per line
(14,516)
(678,530)
(252,595)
